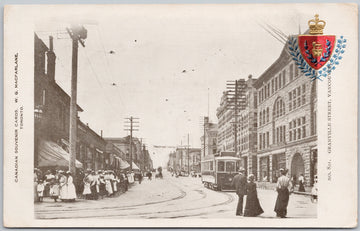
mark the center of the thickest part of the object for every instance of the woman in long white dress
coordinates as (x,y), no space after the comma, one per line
(71,193)
(87,180)
(108,186)
(63,186)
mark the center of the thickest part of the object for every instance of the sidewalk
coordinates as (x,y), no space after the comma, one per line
(272,186)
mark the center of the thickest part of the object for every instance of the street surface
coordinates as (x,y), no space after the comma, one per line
(171,197)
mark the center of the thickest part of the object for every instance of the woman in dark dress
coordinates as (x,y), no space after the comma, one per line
(252,207)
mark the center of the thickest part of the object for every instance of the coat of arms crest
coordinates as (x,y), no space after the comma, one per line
(316,54)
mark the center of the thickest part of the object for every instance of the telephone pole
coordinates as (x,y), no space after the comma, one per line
(142,153)
(78,34)
(236,100)
(132,124)
(188,156)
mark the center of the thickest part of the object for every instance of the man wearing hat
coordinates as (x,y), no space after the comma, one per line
(239,182)
(282,200)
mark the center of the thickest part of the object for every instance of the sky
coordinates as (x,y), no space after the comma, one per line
(167,65)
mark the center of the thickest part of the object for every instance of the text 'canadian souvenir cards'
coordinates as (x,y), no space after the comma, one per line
(183,115)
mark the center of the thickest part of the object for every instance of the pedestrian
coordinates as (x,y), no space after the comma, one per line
(35,185)
(40,190)
(102,185)
(87,181)
(108,186)
(47,178)
(54,189)
(301,183)
(239,182)
(314,190)
(126,182)
(293,181)
(63,186)
(113,182)
(140,177)
(79,184)
(252,207)
(93,178)
(71,196)
(282,188)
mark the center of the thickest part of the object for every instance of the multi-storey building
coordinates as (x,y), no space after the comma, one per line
(226,114)
(185,159)
(194,159)
(286,121)
(140,158)
(52,116)
(247,129)
(209,147)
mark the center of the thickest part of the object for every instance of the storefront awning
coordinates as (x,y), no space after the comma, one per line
(51,154)
(134,166)
(123,164)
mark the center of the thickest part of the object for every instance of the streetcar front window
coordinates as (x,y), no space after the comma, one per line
(221,166)
(237,165)
(230,166)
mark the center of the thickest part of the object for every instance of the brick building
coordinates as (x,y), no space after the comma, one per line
(140,156)
(226,117)
(52,118)
(184,159)
(210,131)
(287,103)
(247,129)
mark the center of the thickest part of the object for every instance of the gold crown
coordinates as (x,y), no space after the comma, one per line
(316,26)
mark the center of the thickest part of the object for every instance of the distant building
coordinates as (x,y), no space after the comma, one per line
(210,131)
(184,159)
(247,129)
(226,118)
(140,156)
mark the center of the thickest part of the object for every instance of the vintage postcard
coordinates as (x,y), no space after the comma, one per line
(180,115)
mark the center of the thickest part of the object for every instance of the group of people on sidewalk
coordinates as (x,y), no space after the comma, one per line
(57,186)
(247,186)
(104,183)
(89,184)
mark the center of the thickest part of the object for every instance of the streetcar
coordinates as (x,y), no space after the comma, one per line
(218,171)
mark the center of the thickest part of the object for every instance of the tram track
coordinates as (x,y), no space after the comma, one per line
(169,213)
(126,207)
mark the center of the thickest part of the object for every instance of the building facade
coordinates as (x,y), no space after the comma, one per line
(228,116)
(52,119)
(140,156)
(209,146)
(247,129)
(287,102)
(185,159)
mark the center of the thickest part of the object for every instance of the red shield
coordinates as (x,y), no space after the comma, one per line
(316,49)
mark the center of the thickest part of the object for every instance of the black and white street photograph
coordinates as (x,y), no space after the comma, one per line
(172,119)
(178,114)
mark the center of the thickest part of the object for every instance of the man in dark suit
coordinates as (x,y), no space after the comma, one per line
(239,182)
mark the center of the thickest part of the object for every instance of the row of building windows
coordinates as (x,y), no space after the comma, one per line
(279,109)
(264,140)
(277,83)
(297,97)
(279,136)
(297,129)
(264,116)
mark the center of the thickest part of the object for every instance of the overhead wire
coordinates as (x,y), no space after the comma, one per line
(107,62)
